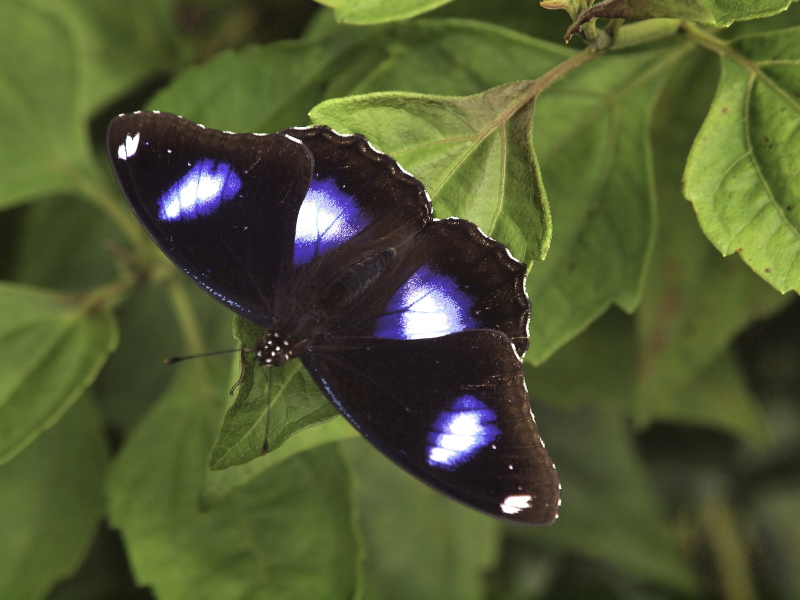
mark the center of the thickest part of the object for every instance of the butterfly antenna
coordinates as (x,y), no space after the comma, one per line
(265,447)
(174,359)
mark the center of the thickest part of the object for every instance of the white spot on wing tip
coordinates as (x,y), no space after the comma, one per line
(128,147)
(293,139)
(516,504)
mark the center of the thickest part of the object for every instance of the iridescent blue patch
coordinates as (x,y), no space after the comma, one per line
(200,192)
(459,433)
(428,305)
(327,219)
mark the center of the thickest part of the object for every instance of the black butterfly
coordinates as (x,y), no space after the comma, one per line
(412,327)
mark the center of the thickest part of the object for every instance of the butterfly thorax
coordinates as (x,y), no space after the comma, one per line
(285,342)
(274,349)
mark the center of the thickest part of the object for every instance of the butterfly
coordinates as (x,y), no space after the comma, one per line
(412,327)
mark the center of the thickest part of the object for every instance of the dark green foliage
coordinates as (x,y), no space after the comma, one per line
(672,415)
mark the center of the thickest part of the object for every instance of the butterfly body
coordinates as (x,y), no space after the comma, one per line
(412,327)
(295,332)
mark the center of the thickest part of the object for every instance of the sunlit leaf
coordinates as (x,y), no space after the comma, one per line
(742,171)
(476,56)
(473,154)
(271,405)
(695,302)
(220,483)
(369,12)
(592,139)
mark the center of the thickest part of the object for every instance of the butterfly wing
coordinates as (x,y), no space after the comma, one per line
(217,204)
(448,278)
(451,410)
(417,325)
(422,361)
(362,203)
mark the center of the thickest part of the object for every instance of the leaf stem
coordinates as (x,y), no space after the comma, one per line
(643,32)
(101,197)
(187,318)
(561,70)
(107,296)
(729,549)
(702,38)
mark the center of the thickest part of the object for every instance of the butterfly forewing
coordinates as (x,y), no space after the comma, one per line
(217,204)
(359,203)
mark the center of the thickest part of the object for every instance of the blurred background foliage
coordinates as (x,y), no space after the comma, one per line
(675,428)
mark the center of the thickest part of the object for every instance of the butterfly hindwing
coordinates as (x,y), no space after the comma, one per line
(452,410)
(448,278)
(216,203)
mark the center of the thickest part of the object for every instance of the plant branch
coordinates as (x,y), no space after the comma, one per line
(101,197)
(643,32)
(187,318)
(561,70)
(702,38)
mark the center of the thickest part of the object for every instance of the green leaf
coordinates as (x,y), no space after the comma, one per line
(591,134)
(61,61)
(409,528)
(611,369)
(695,302)
(719,13)
(103,34)
(43,146)
(370,12)
(527,18)
(476,56)
(64,223)
(219,484)
(717,397)
(609,511)
(284,400)
(51,502)
(135,375)
(274,85)
(605,355)
(473,154)
(287,534)
(742,171)
(51,348)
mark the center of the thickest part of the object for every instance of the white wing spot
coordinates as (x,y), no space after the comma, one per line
(128,147)
(515,504)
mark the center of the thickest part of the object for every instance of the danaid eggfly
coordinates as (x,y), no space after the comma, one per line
(412,327)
